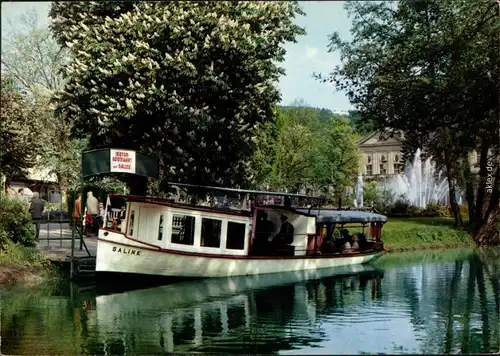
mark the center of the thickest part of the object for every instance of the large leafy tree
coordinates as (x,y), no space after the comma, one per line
(430,68)
(306,148)
(33,59)
(339,154)
(187,81)
(292,167)
(31,55)
(19,127)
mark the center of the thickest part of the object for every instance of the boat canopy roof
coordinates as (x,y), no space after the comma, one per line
(344,216)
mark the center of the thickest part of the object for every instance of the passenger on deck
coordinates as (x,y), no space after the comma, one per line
(327,245)
(344,237)
(362,240)
(354,243)
(264,229)
(285,236)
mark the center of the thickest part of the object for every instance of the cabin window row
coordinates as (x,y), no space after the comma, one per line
(183,231)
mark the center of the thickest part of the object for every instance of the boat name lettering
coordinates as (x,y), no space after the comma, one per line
(127,251)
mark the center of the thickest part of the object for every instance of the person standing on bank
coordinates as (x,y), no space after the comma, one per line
(92,211)
(36,209)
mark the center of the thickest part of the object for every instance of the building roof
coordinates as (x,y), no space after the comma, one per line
(384,135)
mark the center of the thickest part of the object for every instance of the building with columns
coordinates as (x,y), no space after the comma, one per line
(380,154)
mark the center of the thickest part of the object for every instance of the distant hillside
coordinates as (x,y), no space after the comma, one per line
(313,117)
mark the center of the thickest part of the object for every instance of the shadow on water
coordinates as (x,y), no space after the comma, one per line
(443,303)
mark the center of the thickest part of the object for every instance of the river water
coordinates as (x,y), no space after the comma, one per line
(425,302)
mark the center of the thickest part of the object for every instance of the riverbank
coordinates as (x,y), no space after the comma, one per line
(420,233)
(20,264)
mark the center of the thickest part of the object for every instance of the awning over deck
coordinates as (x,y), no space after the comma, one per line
(345,216)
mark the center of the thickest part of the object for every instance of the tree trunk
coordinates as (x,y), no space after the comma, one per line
(487,230)
(63,187)
(452,194)
(469,188)
(481,190)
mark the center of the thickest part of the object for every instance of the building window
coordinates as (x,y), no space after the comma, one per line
(397,168)
(382,159)
(369,170)
(131,224)
(383,171)
(396,159)
(182,229)
(210,232)
(160,228)
(235,236)
(369,159)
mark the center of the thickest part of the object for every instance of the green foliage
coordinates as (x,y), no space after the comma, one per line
(100,187)
(371,193)
(55,207)
(188,81)
(18,255)
(4,240)
(33,60)
(31,55)
(15,222)
(435,210)
(265,150)
(293,157)
(426,68)
(307,148)
(415,211)
(19,130)
(338,148)
(360,125)
(400,207)
(385,200)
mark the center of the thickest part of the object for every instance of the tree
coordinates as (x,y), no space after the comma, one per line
(31,55)
(18,131)
(187,81)
(265,150)
(292,168)
(362,127)
(427,68)
(340,155)
(305,148)
(34,59)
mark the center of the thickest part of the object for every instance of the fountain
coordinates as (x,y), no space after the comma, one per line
(420,184)
(358,189)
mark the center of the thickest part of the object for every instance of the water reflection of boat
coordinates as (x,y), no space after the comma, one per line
(197,315)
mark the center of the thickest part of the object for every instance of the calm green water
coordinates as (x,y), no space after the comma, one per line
(432,302)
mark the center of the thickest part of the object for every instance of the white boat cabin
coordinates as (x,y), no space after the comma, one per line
(203,230)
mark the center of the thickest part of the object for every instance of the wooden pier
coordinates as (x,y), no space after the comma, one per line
(56,241)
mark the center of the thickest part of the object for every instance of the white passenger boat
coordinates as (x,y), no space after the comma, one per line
(164,237)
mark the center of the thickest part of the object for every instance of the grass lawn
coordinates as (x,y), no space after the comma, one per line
(422,233)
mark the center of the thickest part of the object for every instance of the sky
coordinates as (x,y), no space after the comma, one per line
(309,55)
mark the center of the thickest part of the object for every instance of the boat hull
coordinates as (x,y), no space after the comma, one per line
(133,257)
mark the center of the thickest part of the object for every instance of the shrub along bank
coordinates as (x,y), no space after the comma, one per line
(19,259)
(417,233)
